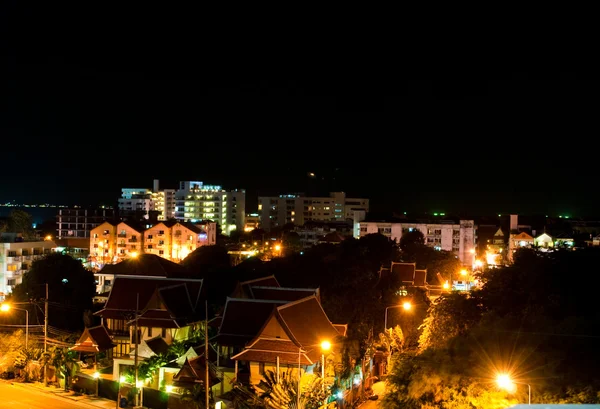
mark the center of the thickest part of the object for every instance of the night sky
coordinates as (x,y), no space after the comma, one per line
(83,118)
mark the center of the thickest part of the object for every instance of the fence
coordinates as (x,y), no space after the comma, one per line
(108,389)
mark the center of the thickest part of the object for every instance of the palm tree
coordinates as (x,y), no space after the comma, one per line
(196,396)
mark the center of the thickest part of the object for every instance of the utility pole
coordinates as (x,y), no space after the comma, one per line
(137,345)
(207,386)
(46,336)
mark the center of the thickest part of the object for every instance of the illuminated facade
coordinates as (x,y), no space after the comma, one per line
(176,240)
(16,258)
(103,245)
(459,238)
(172,240)
(143,200)
(195,201)
(298,209)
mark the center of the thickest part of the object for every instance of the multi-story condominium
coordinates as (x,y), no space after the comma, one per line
(175,240)
(457,236)
(195,201)
(78,222)
(312,233)
(16,257)
(172,240)
(135,200)
(299,209)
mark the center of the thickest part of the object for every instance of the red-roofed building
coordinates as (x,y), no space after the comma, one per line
(168,308)
(293,332)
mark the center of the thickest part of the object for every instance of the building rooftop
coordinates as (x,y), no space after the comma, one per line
(147,265)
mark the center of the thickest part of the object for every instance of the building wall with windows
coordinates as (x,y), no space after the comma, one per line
(195,201)
(457,237)
(129,241)
(298,209)
(79,222)
(103,245)
(16,259)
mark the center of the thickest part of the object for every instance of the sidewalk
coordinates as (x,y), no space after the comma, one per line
(87,399)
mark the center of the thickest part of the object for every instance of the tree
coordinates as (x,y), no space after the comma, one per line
(196,396)
(65,362)
(206,260)
(71,289)
(412,244)
(21,222)
(284,394)
(529,319)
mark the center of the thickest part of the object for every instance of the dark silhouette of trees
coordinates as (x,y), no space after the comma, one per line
(537,320)
(71,289)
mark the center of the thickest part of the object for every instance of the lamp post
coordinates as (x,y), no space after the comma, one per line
(121,380)
(504,381)
(406,305)
(325,346)
(96,376)
(8,307)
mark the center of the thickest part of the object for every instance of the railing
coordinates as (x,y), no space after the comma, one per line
(121,235)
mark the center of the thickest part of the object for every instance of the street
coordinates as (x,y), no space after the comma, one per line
(378,389)
(17,397)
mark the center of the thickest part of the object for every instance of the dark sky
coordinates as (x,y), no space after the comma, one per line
(87,112)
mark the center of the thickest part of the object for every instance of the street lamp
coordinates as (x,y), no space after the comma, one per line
(504,382)
(96,376)
(407,306)
(8,307)
(121,380)
(325,346)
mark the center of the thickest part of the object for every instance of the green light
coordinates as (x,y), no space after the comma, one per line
(560,217)
(442,214)
(435,214)
(566,217)
(499,215)
(404,212)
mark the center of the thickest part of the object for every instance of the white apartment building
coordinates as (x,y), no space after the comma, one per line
(299,209)
(16,258)
(136,199)
(195,201)
(459,238)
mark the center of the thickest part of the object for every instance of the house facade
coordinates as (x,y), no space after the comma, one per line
(142,309)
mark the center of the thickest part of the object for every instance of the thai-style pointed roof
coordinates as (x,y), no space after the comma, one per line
(242,289)
(271,349)
(178,300)
(243,319)
(193,372)
(281,293)
(94,339)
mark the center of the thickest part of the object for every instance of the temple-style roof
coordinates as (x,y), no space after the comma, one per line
(420,278)
(95,339)
(178,300)
(242,289)
(406,272)
(193,372)
(341,328)
(307,322)
(281,293)
(147,265)
(268,350)
(243,319)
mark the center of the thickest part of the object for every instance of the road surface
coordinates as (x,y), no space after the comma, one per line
(378,389)
(18,397)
